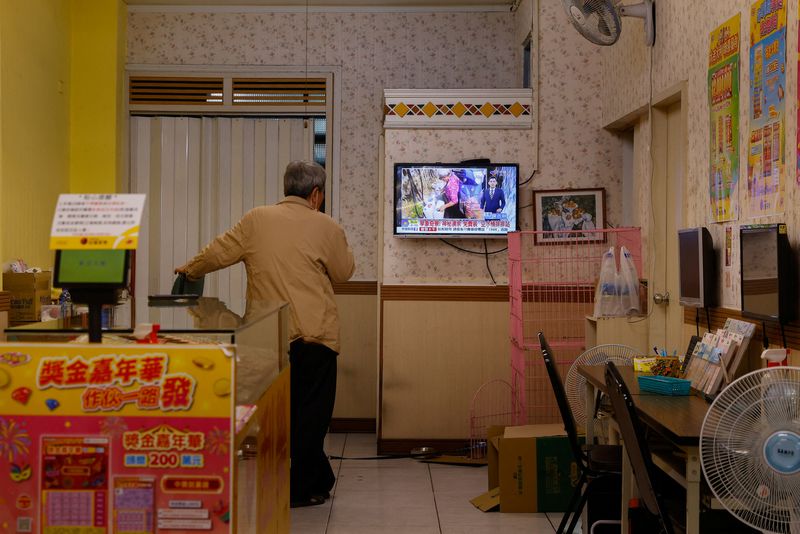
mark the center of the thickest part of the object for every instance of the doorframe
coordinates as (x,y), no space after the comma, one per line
(659,109)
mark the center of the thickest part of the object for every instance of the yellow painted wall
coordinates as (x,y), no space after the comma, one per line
(97,105)
(34,125)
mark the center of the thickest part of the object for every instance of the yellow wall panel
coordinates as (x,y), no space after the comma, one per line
(34,131)
(97,97)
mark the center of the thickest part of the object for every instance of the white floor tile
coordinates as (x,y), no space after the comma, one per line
(334,443)
(460,480)
(360,445)
(405,496)
(384,480)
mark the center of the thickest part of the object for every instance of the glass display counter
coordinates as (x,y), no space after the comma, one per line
(217,378)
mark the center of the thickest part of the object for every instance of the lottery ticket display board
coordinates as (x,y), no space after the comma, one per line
(121,439)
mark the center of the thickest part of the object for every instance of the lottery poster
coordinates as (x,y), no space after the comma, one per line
(766,155)
(101,439)
(723,103)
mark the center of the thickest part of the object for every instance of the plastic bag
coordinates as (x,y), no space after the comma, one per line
(628,288)
(606,298)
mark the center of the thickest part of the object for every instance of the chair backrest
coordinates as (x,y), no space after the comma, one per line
(561,400)
(632,433)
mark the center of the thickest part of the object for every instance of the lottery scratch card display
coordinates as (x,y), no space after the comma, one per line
(99,439)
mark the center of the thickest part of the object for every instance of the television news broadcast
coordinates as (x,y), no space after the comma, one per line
(433,200)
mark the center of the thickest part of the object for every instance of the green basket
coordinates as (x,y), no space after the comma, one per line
(664,385)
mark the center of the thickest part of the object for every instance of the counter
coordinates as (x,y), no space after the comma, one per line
(227,366)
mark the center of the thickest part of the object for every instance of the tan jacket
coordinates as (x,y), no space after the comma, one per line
(291,253)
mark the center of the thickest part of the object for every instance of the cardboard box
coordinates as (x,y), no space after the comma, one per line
(29,291)
(533,468)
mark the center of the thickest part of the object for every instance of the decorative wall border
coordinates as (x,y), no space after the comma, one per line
(356,288)
(458,108)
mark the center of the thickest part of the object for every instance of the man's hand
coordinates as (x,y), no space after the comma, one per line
(181,270)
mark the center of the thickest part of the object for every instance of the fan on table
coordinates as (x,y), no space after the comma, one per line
(750,449)
(575,383)
(599,20)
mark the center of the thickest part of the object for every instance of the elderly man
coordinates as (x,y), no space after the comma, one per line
(292,252)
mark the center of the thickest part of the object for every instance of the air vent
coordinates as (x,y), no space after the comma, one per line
(175,91)
(308,92)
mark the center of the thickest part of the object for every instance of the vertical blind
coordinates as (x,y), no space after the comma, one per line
(201,175)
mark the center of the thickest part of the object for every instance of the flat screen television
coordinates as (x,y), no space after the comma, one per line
(767,278)
(697,268)
(455,199)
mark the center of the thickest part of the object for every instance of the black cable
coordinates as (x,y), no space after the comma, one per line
(529,178)
(472,251)
(486,255)
(765,340)
(697,320)
(708,320)
(525,206)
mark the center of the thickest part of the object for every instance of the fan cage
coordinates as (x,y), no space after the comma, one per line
(597,20)
(575,383)
(734,431)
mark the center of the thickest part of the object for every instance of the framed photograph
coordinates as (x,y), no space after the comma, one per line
(568,213)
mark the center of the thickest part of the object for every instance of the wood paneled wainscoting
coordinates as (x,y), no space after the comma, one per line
(438,345)
(356,387)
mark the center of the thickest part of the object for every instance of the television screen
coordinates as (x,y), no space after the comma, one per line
(766,284)
(82,267)
(696,267)
(434,200)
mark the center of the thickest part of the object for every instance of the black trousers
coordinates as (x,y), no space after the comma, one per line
(313,382)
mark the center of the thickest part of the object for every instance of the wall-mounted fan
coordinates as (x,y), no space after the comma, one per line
(599,20)
(750,449)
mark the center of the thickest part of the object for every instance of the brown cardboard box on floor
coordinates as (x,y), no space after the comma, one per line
(533,468)
(28,292)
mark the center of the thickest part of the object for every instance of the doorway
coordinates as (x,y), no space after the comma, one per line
(668,152)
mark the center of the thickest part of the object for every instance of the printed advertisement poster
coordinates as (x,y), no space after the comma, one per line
(723,105)
(98,439)
(767,136)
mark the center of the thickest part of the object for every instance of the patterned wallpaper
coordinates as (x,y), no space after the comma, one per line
(375,51)
(680,54)
(414,50)
(574,150)
(429,261)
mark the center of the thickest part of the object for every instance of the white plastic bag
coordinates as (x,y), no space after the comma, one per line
(628,288)
(606,298)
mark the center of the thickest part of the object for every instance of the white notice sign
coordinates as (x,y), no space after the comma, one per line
(86,222)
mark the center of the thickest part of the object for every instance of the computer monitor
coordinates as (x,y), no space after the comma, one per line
(101,269)
(697,269)
(768,285)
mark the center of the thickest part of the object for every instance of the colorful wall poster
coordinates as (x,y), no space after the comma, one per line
(723,105)
(766,156)
(127,439)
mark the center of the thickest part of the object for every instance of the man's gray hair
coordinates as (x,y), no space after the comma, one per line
(301,177)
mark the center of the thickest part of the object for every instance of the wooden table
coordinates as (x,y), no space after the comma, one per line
(677,419)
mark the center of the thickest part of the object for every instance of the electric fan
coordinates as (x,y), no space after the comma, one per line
(750,449)
(575,383)
(599,20)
